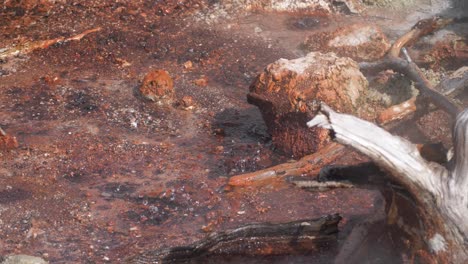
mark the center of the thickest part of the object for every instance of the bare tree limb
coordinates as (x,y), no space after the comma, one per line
(410,69)
(29,47)
(348,130)
(397,112)
(308,165)
(422,28)
(441,193)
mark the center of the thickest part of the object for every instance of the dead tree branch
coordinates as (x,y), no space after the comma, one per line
(441,193)
(410,69)
(29,47)
(308,165)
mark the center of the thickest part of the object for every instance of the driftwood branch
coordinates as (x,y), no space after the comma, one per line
(308,165)
(422,28)
(442,193)
(410,69)
(397,112)
(304,236)
(450,86)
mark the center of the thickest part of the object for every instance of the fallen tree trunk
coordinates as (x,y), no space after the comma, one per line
(298,237)
(440,193)
(308,165)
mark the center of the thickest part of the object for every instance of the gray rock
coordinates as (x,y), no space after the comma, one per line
(23,259)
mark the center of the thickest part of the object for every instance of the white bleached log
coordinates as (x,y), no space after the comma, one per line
(441,193)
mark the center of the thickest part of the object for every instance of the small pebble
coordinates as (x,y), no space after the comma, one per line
(106,195)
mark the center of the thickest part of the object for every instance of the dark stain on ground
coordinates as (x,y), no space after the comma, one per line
(154,210)
(118,190)
(307,23)
(13,195)
(82,101)
(75,176)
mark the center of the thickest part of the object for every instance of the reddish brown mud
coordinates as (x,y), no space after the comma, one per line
(101,173)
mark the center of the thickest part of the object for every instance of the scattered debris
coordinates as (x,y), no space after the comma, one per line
(454,84)
(123,63)
(312,6)
(412,71)
(225,8)
(29,6)
(84,135)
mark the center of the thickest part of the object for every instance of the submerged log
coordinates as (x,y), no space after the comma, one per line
(298,237)
(440,193)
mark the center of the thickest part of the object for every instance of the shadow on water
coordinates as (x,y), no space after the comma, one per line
(245,142)
(392,237)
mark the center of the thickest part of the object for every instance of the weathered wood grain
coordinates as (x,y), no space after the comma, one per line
(303,236)
(441,194)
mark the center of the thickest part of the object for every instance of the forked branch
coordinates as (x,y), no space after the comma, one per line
(410,69)
(441,192)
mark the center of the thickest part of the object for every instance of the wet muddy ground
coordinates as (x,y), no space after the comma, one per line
(101,173)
